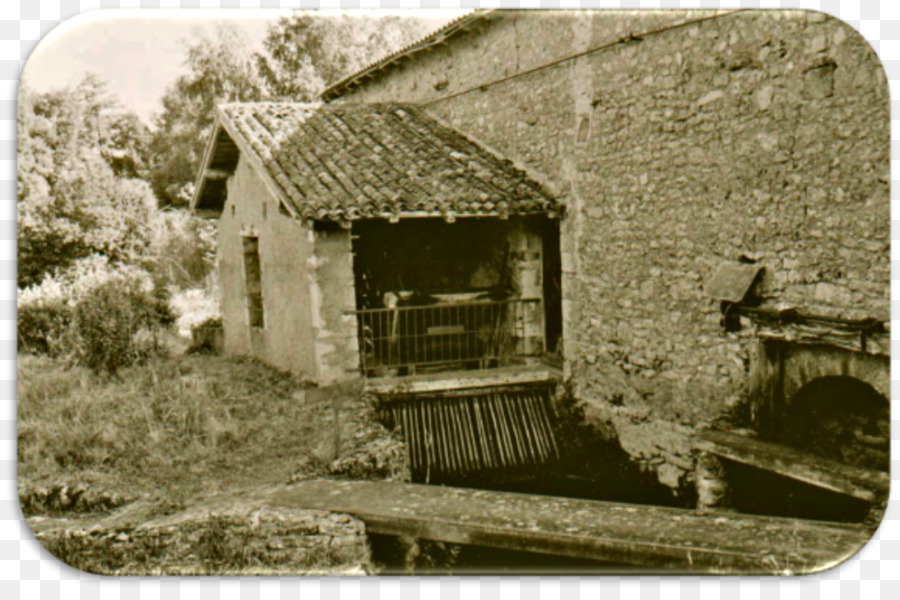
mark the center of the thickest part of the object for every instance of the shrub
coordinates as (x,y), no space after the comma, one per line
(43,327)
(117,324)
(102,315)
(207,337)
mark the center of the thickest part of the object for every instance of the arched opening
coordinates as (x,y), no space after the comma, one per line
(840,418)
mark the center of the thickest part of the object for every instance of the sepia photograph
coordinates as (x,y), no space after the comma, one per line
(484,292)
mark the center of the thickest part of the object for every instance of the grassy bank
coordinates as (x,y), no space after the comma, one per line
(174,429)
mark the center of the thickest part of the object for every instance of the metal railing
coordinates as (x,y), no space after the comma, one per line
(471,335)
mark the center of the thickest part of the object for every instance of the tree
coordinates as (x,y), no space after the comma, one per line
(219,69)
(75,197)
(304,53)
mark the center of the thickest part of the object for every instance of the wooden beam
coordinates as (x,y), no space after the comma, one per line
(442,382)
(218,174)
(863,484)
(205,213)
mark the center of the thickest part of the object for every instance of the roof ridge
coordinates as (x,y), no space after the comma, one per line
(452,28)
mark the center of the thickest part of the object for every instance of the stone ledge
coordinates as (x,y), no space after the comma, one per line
(245,540)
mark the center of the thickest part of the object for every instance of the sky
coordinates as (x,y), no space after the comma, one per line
(139,55)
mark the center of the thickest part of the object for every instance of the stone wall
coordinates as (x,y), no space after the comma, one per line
(678,141)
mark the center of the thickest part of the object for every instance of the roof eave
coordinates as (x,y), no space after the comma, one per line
(204,165)
(443,34)
(223,122)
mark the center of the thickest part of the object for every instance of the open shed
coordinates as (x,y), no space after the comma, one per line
(375,239)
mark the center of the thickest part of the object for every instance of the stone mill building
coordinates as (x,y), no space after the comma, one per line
(683,216)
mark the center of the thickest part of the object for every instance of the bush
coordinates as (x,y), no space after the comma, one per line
(117,324)
(43,327)
(100,315)
(207,337)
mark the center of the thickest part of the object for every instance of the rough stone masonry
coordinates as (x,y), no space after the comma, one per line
(678,141)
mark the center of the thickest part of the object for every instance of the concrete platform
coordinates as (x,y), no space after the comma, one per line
(640,538)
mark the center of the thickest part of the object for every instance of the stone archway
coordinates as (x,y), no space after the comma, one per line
(794,386)
(841,418)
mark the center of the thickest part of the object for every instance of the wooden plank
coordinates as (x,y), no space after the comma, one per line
(446,330)
(864,484)
(641,538)
(216,173)
(460,380)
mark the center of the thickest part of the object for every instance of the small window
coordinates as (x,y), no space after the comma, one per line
(584,130)
(253,281)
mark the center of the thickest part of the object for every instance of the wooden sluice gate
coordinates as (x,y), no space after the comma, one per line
(620,537)
(474,436)
(455,434)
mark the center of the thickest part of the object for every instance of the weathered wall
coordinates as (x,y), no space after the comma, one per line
(700,139)
(285,246)
(331,284)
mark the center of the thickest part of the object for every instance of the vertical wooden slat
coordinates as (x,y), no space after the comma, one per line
(542,445)
(414,437)
(533,428)
(509,439)
(438,407)
(427,437)
(499,432)
(518,414)
(434,441)
(545,420)
(453,408)
(445,443)
(472,433)
(535,412)
(483,434)
(459,448)
(517,430)
(510,431)
(492,437)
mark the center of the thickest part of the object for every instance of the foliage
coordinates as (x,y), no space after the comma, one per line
(305,52)
(219,69)
(78,154)
(301,54)
(42,326)
(100,314)
(184,248)
(118,324)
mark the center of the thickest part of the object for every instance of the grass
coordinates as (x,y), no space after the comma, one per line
(177,428)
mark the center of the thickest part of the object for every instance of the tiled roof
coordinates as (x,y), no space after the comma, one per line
(342,162)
